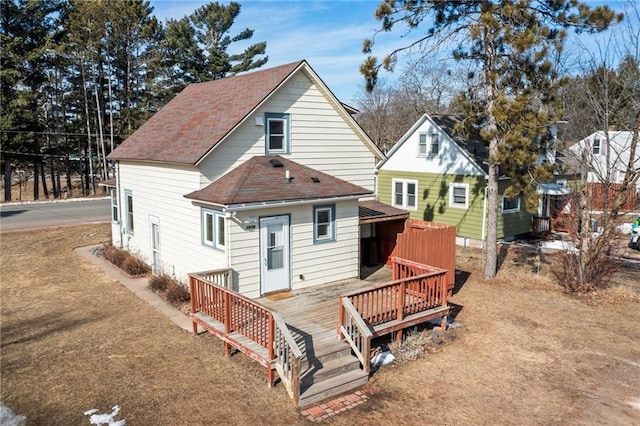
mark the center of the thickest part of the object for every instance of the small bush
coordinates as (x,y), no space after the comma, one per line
(169,288)
(126,261)
(159,283)
(114,255)
(134,266)
(177,293)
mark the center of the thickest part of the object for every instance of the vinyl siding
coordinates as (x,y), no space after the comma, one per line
(318,263)
(433,199)
(320,137)
(433,203)
(515,223)
(158,190)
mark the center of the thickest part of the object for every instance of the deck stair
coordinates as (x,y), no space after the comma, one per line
(330,371)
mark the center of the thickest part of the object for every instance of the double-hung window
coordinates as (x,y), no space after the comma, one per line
(596,146)
(277,133)
(114,205)
(422,145)
(324,223)
(435,144)
(459,195)
(128,198)
(510,205)
(405,194)
(213,229)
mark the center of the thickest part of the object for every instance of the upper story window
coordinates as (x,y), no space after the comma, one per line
(459,195)
(128,201)
(277,137)
(114,205)
(213,229)
(596,146)
(324,223)
(405,194)
(422,145)
(435,144)
(510,205)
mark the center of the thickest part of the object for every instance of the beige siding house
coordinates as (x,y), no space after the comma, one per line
(436,175)
(260,173)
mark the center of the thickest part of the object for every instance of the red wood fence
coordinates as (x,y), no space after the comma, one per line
(429,243)
(599,192)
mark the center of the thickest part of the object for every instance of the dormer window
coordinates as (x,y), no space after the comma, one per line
(277,133)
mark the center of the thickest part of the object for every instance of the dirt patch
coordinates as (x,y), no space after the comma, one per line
(73,339)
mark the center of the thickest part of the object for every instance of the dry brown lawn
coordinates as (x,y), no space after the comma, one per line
(73,339)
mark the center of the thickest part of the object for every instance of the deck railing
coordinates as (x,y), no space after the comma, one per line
(418,289)
(356,332)
(249,318)
(288,356)
(222,277)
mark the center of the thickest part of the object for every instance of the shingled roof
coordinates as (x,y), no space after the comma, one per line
(262,179)
(200,116)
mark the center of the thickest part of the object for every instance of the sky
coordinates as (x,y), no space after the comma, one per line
(328,34)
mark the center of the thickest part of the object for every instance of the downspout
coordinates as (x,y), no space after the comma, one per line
(484,217)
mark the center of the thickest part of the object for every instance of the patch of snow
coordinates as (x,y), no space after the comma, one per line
(383,358)
(558,245)
(105,419)
(9,418)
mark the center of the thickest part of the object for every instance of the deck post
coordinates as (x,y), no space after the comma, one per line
(340,317)
(194,297)
(270,348)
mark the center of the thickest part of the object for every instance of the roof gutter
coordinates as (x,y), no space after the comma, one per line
(285,203)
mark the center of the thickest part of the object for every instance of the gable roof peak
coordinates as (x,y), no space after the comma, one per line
(201,115)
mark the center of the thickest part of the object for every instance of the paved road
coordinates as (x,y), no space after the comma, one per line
(47,214)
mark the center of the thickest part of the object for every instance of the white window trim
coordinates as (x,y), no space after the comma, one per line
(405,184)
(216,216)
(465,186)
(331,208)
(426,144)
(513,210)
(115,207)
(129,219)
(431,139)
(593,146)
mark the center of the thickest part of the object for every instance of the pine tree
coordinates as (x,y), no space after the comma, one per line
(197,46)
(512,42)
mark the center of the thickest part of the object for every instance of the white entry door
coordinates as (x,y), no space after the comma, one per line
(274,254)
(155,245)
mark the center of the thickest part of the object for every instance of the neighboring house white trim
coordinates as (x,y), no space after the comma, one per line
(408,193)
(458,192)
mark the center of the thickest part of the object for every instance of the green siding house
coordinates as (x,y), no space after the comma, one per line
(438,176)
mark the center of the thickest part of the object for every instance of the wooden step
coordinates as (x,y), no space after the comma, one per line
(332,387)
(321,371)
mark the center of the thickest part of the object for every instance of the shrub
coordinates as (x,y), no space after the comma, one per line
(171,289)
(159,283)
(129,263)
(177,293)
(132,265)
(114,255)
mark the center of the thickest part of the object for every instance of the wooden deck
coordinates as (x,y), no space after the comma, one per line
(312,314)
(319,339)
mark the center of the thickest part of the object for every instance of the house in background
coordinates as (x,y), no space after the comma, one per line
(605,157)
(260,173)
(439,176)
